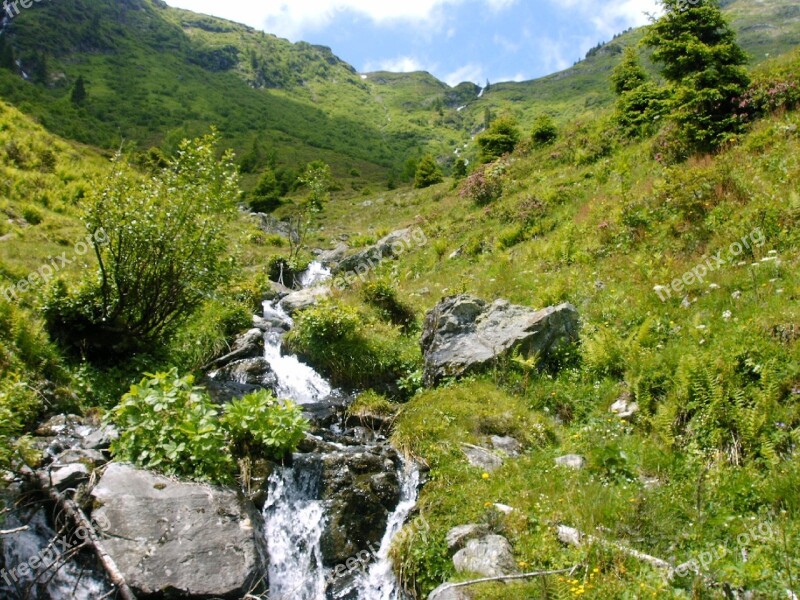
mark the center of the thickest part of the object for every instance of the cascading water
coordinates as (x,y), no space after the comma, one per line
(294,522)
(380,582)
(295,514)
(57,574)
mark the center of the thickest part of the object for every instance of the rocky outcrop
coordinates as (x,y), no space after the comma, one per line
(626,408)
(175,539)
(489,556)
(446,591)
(464,333)
(303,299)
(391,246)
(482,458)
(360,488)
(458,537)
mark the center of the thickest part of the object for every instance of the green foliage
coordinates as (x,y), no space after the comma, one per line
(161,245)
(260,425)
(544,131)
(628,74)
(485,185)
(460,169)
(265,197)
(383,295)
(317,177)
(169,425)
(350,350)
(699,56)
(500,139)
(427,173)
(78,95)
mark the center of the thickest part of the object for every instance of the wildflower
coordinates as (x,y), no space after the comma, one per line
(727,315)
(485,476)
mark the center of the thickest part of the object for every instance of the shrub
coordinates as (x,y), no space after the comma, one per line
(266,196)
(260,424)
(485,185)
(32,215)
(374,355)
(169,425)
(544,131)
(428,173)
(160,244)
(500,139)
(383,295)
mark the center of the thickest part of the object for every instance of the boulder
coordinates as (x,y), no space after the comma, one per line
(457,537)
(330,258)
(303,299)
(490,556)
(482,458)
(68,477)
(447,592)
(391,246)
(506,444)
(464,333)
(571,461)
(176,539)
(625,407)
(360,488)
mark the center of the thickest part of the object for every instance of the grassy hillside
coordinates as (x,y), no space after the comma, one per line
(708,471)
(155,75)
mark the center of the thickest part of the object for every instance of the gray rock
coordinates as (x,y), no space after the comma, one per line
(506,444)
(68,477)
(303,299)
(464,333)
(89,457)
(101,438)
(571,461)
(504,508)
(251,371)
(482,458)
(360,488)
(445,592)
(625,408)
(457,537)
(391,246)
(334,256)
(490,556)
(176,539)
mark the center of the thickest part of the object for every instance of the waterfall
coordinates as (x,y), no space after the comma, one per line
(380,582)
(295,514)
(69,576)
(294,522)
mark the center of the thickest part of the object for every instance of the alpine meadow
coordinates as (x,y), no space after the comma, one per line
(273,328)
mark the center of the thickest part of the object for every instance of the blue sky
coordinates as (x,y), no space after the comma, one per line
(456,40)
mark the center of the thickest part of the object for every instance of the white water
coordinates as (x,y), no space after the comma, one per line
(65,578)
(294,516)
(380,582)
(294,526)
(296,381)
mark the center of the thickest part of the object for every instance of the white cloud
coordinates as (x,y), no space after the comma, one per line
(471,72)
(295,18)
(400,64)
(612,16)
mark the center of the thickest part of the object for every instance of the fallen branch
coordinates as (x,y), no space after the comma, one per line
(532,575)
(13,531)
(75,512)
(573,537)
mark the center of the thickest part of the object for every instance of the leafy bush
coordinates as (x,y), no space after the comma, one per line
(260,424)
(544,130)
(381,294)
(169,425)
(500,139)
(352,352)
(485,185)
(428,173)
(160,243)
(32,215)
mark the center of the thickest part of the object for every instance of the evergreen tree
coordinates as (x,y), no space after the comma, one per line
(265,197)
(641,103)
(428,173)
(7,59)
(629,74)
(79,91)
(545,131)
(500,139)
(699,55)
(460,169)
